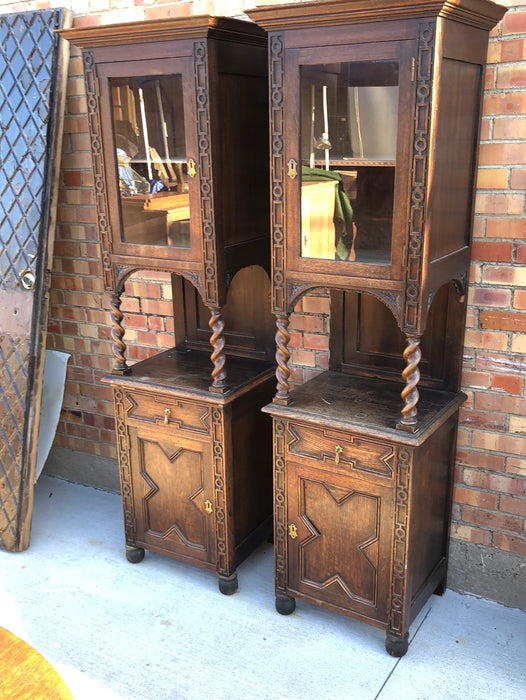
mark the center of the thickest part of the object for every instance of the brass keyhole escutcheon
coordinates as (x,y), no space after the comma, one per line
(339,450)
(167,413)
(293,169)
(27,279)
(209,507)
(293,531)
(191,167)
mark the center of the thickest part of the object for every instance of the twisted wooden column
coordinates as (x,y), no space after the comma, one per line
(411,377)
(217,342)
(117,333)
(282,359)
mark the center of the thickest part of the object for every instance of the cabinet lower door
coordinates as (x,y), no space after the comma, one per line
(339,541)
(173,494)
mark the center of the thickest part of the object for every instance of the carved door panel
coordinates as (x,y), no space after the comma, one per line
(33,71)
(339,540)
(173,494)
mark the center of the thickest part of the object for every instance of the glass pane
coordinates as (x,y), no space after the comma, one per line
(148,124)
(349,119)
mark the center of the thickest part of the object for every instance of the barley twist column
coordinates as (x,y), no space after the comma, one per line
(217,342)
(411,377)
(282,359)
(117,333)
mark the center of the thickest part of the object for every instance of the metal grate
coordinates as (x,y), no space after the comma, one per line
(28,48)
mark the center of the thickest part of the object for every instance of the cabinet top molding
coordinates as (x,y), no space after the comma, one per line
(175,28)
(478,13)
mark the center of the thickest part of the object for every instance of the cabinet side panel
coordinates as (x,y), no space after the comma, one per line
(452,182)
(430,514)
(252,464)
(244,181)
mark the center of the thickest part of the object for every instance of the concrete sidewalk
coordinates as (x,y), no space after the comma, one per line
(160,630)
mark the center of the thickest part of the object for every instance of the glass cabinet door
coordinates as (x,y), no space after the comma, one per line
(348,144)
(151,160)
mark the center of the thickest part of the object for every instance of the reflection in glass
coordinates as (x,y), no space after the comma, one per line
(148,125)
(348,149)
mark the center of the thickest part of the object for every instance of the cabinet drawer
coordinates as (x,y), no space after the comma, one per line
(159,409)
(340,450)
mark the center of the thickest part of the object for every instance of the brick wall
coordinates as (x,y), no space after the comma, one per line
(488,530)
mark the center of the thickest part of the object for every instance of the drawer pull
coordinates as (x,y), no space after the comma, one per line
(167,413)
(293,531)
(339,450)
(209,507)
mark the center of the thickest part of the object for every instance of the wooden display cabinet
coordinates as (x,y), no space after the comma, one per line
(374,119)
(178,117)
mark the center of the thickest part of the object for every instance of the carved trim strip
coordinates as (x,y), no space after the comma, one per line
(101,196)
(397,613)
(280,510)
(422,117)
(221,516)
(206,188)
(277,166)
(124,467)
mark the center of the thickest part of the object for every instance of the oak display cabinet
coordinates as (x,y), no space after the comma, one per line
(374,119)
(178,119)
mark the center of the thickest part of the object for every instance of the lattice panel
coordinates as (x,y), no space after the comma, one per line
(28,73)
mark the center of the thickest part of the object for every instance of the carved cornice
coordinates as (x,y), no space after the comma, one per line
(164,29)
(476,13)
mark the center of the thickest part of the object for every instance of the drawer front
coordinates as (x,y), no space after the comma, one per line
(340,450)
(160,409)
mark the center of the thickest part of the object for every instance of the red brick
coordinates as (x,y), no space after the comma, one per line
(475,380)
(481,296)
(497,442)
(488,340)
(471,497)
(480,419)
(520,253)
(515,545)
(513,506)
(316,304)
(514,22)
(511,77)
(497,483)
(164,11)
(518,179)
(509,128)
(503,320)
(491,251)
(304,358)
(506,383)
(316,342)
(505,203)
(310,324)
(469,534)
(519,299)
(491,520)
(504,103)
(499,402)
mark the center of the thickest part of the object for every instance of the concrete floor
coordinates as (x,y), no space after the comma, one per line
(160,630)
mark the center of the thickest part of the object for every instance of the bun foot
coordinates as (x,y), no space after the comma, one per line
(285,605)
(228,584)
(396,646)
(134,554)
